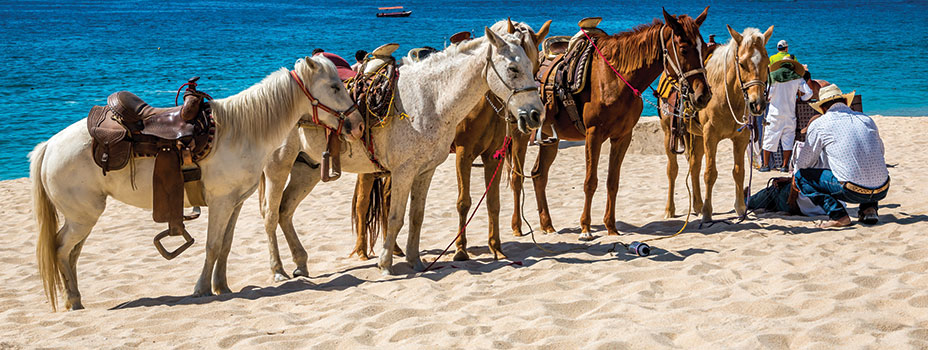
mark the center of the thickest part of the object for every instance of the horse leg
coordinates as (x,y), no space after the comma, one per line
(546,156)
(360,203)
(516,160)
(593,147)
(695,166)
(273,181)
(71,237)
(617,150)
(712,174)
(492,177)
(672,168)
(220,283)
(401,180)
(740,144)
(220,211)
(463,160)
(418,194)
(303,179)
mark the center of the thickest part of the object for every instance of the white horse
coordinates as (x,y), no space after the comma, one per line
(436,94)
(249,125)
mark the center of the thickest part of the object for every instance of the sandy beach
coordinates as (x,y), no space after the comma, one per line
(771,282)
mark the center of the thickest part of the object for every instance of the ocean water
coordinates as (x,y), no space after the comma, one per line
(60,58)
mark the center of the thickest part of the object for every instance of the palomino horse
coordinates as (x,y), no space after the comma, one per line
(610,109)
(434,95)
(250,125)
(737,70)
(482,133)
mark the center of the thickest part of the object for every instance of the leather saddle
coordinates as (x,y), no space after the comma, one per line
(177,137)
(566,74)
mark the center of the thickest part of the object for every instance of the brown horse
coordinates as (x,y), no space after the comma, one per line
(481,134)
(738,74)
(610,109)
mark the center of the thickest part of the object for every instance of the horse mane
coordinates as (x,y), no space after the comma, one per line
(631,49)
(462,47)
(724,55)
(255,112)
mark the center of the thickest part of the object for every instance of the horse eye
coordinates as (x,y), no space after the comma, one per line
(513,70)
(683,52)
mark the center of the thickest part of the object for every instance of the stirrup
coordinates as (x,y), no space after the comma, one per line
(540,141)
(193,214)
(171,255)
(327,174)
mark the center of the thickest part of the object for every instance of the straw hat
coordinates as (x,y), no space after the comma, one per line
(831,93)
(797,67)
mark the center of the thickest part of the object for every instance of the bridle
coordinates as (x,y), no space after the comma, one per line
(744,88)
(342,116)
(512,91)
(681,77)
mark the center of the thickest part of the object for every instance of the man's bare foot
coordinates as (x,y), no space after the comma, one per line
(842,222)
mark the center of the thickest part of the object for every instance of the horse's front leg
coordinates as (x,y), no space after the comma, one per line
(464,159)
(546,156)
(594,145)
(740,143)
(418,194)
(672,167)
(303,178)
(492,177)
(401,180)
(220,283)
(360,203)
(712,174)
(274,179)
(516,160)
(617,150)
(220,211)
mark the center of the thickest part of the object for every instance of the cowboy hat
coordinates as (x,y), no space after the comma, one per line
(797,67)
(831,93)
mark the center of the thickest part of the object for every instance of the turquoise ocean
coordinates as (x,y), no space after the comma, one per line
(60,58)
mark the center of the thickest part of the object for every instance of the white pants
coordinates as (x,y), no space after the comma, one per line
(779,131)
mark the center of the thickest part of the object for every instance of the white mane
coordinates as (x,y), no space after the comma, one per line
(252,112)
(724,56)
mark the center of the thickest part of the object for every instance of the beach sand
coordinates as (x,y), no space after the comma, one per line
(771,282)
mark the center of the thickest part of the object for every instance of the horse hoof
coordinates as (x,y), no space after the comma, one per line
(586,236)
(74,305)
(398,252)
(549,230)
(223,290)
(517,233)
(300,272)
(614,233)
(461,255)
(363,257)
(498,255)
(669,215)
(418,266)
(199,294)
(280,277)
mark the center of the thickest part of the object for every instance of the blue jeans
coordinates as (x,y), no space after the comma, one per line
(821,186)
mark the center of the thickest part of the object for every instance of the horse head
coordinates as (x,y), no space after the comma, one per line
(327,102)
(510,77)
(751,67)
(685,53)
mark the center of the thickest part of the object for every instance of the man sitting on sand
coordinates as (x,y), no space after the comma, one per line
(842,159)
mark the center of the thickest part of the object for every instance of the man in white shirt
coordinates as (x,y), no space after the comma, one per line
(842,160)
(780,123)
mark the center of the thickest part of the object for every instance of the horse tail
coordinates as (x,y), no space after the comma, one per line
(377,210)
(46,218)
(262,206)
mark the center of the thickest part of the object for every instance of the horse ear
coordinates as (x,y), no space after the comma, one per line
(511,28)
(734,35)
(494,38)
(542,32)
(672,23)
(702,17)
(768,34)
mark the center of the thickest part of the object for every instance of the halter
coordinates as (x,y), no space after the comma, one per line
(512,91)
(341,116)
(675,64)
(744,88)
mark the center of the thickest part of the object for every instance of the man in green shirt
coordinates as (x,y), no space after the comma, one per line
(783,52)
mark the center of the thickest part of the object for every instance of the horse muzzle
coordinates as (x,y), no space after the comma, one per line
(757,108)
(529,119)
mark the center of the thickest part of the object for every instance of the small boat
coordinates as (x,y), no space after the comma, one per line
(393,14)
